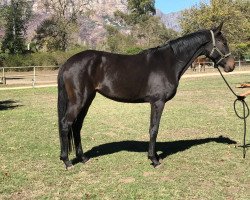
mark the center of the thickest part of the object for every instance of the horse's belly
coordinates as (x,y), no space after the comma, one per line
(119,91)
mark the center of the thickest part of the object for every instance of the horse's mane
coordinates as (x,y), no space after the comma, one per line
(191,40)
(182,43)
(153,49)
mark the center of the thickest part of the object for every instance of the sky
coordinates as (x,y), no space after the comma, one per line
(168,6)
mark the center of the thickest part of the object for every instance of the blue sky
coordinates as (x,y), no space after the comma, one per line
(167,6)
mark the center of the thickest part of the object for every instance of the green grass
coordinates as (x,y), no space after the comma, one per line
(196,164)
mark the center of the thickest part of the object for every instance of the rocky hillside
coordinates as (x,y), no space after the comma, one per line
(171,20)
(91,28)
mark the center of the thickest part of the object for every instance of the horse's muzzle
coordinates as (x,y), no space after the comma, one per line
(230,64)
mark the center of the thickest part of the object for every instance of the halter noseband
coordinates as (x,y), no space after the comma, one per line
(223,56)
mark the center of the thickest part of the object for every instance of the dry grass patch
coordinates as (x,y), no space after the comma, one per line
(197,163)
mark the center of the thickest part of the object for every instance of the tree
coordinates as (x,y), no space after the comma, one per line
(2,18)
(146,28)
(58,30)
(16,15)
(2,24)
(119,42)
(138,11)
(48,36)
(152,32)
(234,14)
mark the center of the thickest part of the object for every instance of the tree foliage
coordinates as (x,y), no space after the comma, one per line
(152,32)
(2,17)
(120,42)
(16,15)
(146,29)
(56,33)
(234,14)
(48,36)
(138,11)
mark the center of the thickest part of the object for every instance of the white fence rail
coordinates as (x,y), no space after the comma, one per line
(28,75)
(47,75)
(203,66)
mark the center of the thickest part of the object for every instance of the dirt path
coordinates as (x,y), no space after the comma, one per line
(188,75)
(214,74)
(27,87)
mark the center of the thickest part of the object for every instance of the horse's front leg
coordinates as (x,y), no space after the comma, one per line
(156,112)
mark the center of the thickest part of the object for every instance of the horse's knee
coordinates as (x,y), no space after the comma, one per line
(153,131)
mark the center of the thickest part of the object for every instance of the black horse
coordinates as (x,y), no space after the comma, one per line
(150,76)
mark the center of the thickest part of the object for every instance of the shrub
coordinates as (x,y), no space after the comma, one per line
(133,50)
(37,59)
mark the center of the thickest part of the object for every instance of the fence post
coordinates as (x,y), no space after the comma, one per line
(34,77)
(3,77)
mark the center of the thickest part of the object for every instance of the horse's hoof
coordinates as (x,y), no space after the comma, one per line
(155,161)
(157,157)
(156,165)
(82,159)
(70,167)
(85,159)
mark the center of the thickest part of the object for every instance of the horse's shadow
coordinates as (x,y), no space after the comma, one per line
(167,148)
(8,104)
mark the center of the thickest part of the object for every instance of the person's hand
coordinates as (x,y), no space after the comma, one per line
(243,85)
(241,97)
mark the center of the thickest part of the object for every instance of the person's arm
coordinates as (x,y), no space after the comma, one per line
(244,85)
(245,94)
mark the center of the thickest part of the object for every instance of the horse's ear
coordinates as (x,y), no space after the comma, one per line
(218,29)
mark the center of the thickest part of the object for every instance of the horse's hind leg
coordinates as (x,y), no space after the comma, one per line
(80,157)
(66,133)
(72,123)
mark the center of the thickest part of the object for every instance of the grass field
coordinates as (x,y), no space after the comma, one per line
(197,163)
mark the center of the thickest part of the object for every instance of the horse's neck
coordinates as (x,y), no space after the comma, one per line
(187,49)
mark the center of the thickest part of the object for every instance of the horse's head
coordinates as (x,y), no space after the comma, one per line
(218,51)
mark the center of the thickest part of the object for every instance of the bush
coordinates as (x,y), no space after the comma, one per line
(133,50)
(37,59)
(42,59)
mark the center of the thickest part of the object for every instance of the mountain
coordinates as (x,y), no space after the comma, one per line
(91,28)
(171,20)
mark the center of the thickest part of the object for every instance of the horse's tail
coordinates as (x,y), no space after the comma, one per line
(62,108)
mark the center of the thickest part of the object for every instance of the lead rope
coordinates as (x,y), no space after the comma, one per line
(245,113)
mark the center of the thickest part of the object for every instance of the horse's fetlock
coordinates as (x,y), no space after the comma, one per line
(64,158)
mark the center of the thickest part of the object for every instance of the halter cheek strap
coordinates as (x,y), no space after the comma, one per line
(223,56)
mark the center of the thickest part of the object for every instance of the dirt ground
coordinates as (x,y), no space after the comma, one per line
(49,77)
(42,77)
